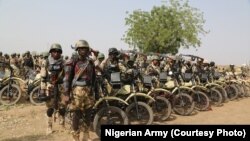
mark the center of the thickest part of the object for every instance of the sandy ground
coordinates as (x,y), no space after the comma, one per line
(25,122)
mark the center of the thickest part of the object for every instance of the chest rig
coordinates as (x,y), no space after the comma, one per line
(83,73)
(55,72)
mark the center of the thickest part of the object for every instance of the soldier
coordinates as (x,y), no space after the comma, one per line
(232,70)
(28,62)
(154,68)
(1,57)
(36,59)
(244,70)
(112,64)
(40,60)
(142,62)
(80,77)
(14,64)
(2,60)
(19,60)
(2,64)
(52,73)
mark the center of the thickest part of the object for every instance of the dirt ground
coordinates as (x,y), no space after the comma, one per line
(25,122)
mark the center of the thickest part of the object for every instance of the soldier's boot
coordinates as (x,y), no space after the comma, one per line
(76,135)
(49,125)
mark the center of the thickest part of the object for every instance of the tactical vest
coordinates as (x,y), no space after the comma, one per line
(110,68)
(28,62)
(86,78)
(55,72)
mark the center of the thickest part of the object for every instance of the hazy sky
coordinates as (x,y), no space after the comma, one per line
(35,24)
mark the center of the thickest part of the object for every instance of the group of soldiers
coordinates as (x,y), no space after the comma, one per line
(74,77)
(22,64)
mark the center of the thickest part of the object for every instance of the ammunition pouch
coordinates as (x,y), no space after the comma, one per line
(187,77)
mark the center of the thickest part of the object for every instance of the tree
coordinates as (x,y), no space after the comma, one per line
(165,28)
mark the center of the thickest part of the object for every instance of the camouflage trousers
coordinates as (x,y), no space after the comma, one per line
(81,103)
(82,98)
(56,109)
(55,103)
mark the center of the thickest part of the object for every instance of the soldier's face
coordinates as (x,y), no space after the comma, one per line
(83,51)
(111,56)
(156,62)
(56,54)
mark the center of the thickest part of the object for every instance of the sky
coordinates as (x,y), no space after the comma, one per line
(36,24)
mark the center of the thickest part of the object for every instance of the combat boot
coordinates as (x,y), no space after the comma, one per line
(49,126)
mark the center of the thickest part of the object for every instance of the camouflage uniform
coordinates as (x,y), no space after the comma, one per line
(142,63)
(80,77)
(2,66)
(14,64)
(28,62)
(153,69)
(7,58)
(111,65)
(244,70)
(52,73)
(2,60)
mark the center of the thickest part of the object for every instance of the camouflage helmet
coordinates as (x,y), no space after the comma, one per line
(55,46)
(113,50)
(45,54)
(212,64)
(155,57)
(81,44)
(100,56)
(231,65)
(27,52)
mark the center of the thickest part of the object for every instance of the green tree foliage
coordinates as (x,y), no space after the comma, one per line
(165,28)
